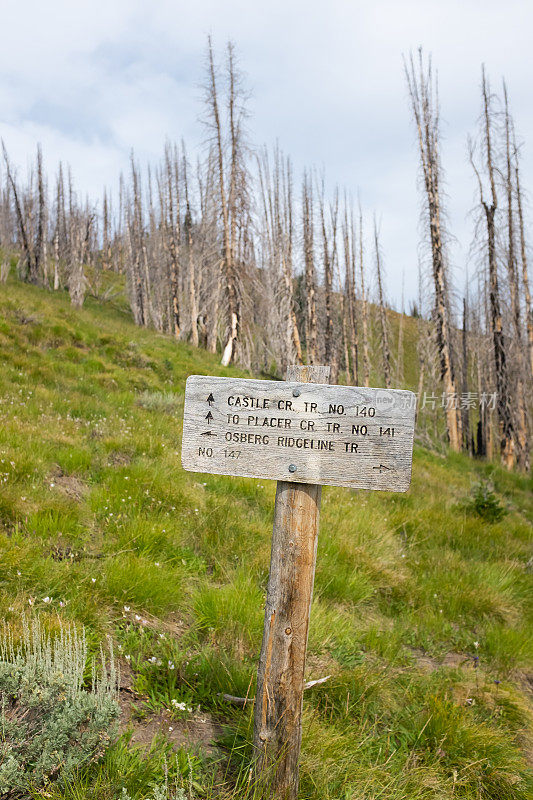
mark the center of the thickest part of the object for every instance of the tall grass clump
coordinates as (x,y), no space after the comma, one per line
(52,721)
(167,402)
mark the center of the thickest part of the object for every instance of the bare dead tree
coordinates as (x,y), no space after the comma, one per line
(519,358)
(400,356)
(329,254)
(231,199)
(276,190)
(384,324)
(311,333)
(41,244)
(504,410)
(350,328)
(27,245)
(423,93)
(523,257)
(191,272)
(465,409)
(173,237)
(364,305)
(107,255)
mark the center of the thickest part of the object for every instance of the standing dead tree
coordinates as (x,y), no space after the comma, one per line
(350,327)
(41,243)
(523,258)
(275,185)
(191,271)
(24,216)
(311,332)
(400,354)
(465,410)
(173,235)
(518,352)
(383,321)
(506,428)
(425,108)
(329,256)
(364,304)
(233,176)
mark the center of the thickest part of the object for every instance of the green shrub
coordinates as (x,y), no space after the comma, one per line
(50,724)
(485,503)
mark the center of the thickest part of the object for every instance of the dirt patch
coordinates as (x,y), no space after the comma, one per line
(26,319)
(452,660)
(173,625)
(525,680)
(318,666)
(199,732)
(69,485)
(118,459)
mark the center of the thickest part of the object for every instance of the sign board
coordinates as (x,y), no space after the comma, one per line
(301,432)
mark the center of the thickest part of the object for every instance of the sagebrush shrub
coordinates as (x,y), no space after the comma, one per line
(50,723)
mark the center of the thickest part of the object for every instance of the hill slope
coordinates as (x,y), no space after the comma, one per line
(423,606)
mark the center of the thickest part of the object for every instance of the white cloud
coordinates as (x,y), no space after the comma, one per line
(92,79)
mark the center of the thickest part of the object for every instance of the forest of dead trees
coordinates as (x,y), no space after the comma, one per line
(231,251)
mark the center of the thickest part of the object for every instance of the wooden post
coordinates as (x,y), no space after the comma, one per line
(280,676)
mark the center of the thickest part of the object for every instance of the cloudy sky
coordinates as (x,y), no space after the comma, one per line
(90,79)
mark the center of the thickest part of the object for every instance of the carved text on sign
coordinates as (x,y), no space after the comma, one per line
(307,433)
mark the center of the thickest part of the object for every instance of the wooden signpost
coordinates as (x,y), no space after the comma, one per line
(302,433)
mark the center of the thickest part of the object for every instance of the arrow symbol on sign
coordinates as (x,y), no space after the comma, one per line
(382,467)
(211,399)
(209,417)
(208,433)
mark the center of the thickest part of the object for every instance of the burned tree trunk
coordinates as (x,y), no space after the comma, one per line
(426,115)
(191,276)
(311,335)
(519,360)
(525,276)
(504,411)
(364,305)
(329,255)
(349,302)
(41,244)
(278,233)
(174,236)
(465,410)
(27,248)
(385,348)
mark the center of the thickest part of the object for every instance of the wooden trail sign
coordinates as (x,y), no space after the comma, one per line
(303,433)
(306,433)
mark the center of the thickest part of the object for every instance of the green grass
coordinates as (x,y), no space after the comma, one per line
(97,513)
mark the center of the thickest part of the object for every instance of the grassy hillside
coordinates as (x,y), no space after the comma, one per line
(423,606)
